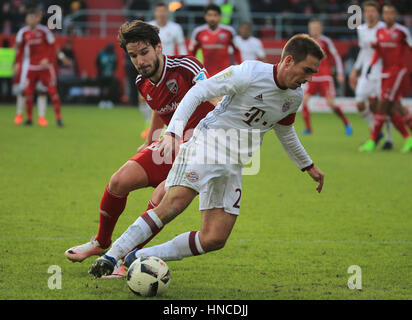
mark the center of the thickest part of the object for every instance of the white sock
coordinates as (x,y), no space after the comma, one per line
(20,103)
(389,126)
(41,104)
(141,230)
(367,115)
(184,245)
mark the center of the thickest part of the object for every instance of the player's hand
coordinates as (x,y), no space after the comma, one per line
(318,176)
(168,145)
(341,78)
(353,79)
(143,146)
(44,62)
(16,68)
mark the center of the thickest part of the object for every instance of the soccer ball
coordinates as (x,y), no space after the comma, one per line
(148,276)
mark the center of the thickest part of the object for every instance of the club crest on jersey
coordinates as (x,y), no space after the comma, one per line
(286,106)
(222,36)
(192,176)
(172,85)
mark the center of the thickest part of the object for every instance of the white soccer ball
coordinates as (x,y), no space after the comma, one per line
(148,276)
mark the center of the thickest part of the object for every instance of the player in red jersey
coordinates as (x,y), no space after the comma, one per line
(322,82)
(392,43)
(214,39)
(163,81)
(37,42)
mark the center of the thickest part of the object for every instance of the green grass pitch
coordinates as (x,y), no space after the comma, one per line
(288,243)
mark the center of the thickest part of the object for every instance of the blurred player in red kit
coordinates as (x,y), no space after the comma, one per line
(163,82)
(214,39)
(393,41)
(37,43)
(322,82)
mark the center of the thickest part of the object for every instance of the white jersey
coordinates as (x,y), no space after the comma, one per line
(251,48)
(170,35)
(253,102)
(366,36)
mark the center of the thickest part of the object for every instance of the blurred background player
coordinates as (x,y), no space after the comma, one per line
(21,66)
(393,41)
(37,42)
(172,38)
(251,48)
(322,82)
(367,90)
(171,33)
(214,39)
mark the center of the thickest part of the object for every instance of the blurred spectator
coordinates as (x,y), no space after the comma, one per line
(67,62)
(227,9)
(7,56)
(78,26)
(106,63)
(6,18)
(268,29)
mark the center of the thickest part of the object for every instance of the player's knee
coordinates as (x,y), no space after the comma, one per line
(118,184)
(212,242)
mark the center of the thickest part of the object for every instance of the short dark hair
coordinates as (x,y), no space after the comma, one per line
(370,3)
(390,5)
(138,30)
(161,4)
(300,46)
(213,7)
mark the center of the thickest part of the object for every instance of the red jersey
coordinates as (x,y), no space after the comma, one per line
(391,46)
(180,73)
(332,57)
(215,46)
(35,45)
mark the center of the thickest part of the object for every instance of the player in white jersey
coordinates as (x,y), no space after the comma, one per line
(250,47)
(367,89)
(171,33)
(258,97)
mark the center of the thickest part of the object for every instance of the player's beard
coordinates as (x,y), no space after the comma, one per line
(153,72)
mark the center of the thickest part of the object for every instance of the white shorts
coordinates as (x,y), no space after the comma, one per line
(218,185)
(367,88)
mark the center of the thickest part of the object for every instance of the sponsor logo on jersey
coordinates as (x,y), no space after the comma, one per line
(168,108)
(192,176)
(148,98)
(172,85)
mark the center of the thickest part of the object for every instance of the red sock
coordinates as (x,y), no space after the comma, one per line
(339,113)
(306,117)
(397,120)
(111,207)
(55,99)
(379,120)
(29,107)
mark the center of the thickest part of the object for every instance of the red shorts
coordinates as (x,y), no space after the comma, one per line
(46,76)
(323,85)
(151,161)
(391,87)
